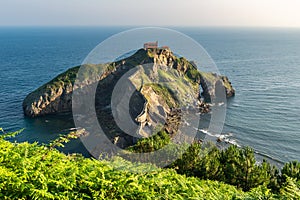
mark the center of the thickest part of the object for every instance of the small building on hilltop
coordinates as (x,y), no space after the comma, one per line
(151,45)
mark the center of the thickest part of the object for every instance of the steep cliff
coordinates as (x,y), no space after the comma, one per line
(208,85)
(53,97)
(56,96)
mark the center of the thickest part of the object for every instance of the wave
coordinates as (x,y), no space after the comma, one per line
(267,156)
(223,137)
(226,138)
(218,104)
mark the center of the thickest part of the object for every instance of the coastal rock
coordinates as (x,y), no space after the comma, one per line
(56,96)
(230,92)
(53,97)
(162,90)
(208,84)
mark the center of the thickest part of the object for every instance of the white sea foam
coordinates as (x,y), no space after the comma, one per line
(221,104)
(223,137)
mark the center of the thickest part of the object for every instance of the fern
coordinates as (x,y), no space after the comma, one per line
(26,173)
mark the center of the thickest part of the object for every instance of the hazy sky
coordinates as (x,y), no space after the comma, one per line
(151,12)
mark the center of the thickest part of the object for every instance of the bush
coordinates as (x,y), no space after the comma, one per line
(32,171)
(234,166)
(152,143)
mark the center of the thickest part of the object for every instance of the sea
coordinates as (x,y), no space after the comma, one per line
(263,65)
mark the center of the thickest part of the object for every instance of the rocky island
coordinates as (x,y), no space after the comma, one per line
(149,102)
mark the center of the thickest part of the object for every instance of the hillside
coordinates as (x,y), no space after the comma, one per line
(32,171)
(55,96)
(164,85)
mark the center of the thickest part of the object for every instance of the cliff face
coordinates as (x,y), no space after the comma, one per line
(53,97)
(167,84)
(208,85)
(56,96)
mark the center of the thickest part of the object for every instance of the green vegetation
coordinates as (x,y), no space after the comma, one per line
(32,171)
(226,82)
(237,166)
(190,71)
(141,56)
(68,77)
(175,82)
(164,92)
(208,76)
(234,166)
(153,143)
(193,74)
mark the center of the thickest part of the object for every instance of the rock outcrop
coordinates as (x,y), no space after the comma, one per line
(56,96)
(53,97)
(162,88)
(208,85)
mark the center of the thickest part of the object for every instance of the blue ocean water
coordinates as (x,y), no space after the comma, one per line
(262,64)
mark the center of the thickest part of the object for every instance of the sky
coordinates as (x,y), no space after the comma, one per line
(249,13)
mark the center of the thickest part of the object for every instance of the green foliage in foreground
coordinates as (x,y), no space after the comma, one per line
(237,166)
(32,171)
(25,173)
(234,166)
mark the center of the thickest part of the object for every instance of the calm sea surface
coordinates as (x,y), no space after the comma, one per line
(262,64)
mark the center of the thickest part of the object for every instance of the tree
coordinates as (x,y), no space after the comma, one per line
(188,162)
(209,166)
(230,162)
(240,168)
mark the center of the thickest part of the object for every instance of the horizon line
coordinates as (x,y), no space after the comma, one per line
(141,26)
